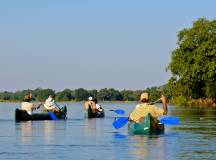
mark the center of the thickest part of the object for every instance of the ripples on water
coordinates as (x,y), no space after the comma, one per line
(92,139)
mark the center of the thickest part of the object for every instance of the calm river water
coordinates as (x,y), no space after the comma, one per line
(96,139)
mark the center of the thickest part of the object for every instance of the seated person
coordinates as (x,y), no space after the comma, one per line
(98,107)
(90,104)
(50,105)
(144,108)
(28,106)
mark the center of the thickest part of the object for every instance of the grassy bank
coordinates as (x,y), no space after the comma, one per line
(9,101)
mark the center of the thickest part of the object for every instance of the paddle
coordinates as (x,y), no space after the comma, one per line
(151,103)
(57,105)
(169,120)
(118,111)
(53,116)
(122,121)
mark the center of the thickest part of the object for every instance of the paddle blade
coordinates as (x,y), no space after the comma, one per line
(120,122)
(53,116)
(119,111)
(170,120)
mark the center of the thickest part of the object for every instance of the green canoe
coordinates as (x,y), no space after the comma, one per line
(21,115)
(148,126)
(90,114)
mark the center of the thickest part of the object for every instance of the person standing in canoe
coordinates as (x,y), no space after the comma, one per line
(50,105)
(144,108)
(28,106)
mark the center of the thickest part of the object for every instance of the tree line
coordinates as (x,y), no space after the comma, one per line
(81,94)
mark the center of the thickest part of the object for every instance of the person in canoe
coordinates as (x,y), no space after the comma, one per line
(98,107)
(144,108)
(91,104)
(28,106)
(50,105)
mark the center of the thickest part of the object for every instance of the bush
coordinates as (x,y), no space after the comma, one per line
(181,101)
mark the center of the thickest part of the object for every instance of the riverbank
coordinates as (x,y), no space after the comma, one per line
(201,102)
(9,101)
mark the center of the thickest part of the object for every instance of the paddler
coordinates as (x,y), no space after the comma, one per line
(28,106)
(142,109)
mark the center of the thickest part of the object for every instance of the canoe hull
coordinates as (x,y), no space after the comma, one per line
(148,126)
(90,114)
(21,115)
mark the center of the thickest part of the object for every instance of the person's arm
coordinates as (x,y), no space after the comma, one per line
(164,101)
(36,106)
(86,105)
(99,108)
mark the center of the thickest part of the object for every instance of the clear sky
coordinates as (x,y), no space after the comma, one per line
(93,44)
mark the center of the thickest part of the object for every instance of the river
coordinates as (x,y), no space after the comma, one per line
(96,139)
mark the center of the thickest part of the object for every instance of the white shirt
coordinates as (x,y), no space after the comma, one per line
(28,107)
(98,106)
(49,103)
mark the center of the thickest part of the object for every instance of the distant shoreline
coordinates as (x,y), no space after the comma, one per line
(14,101)
(202,103)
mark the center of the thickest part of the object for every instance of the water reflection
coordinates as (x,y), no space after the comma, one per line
(194,113)
(119,136)
(148,147)
(49,130)
(26,131)
(30,130)
(90,126)
(196,120)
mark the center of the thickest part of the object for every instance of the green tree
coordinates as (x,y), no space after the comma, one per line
(103,94)
(93,93)
(154,93)
(115,94)
(193,63)
(64,95)
(43,94)
(81,94)
(128,95)
(6,95)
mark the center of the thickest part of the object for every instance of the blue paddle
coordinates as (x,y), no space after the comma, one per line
(122,121)
(53,116)
(118,111)
(169,120)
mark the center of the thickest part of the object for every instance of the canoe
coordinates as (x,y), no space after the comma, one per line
(21,115)
(90,114)
(147,126)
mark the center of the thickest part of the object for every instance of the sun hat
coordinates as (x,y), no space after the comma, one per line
(90,98)
(144,96)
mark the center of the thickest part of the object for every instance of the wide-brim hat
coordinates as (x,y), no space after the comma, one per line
(144,96)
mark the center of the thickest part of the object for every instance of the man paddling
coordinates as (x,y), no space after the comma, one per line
(144,108)
(28,106)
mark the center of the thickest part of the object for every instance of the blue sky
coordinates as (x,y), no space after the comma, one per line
(93,44)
